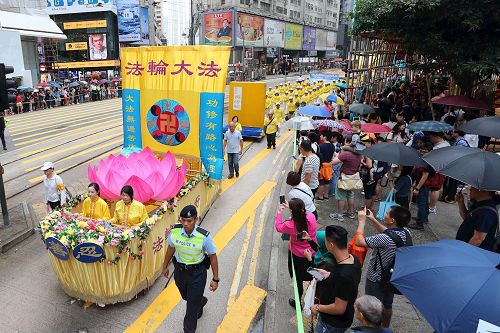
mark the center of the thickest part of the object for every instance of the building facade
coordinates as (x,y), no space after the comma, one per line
(283,35)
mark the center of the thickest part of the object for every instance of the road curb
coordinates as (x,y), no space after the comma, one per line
(272,282)
(20,236)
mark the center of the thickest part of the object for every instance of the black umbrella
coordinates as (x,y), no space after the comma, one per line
(361,108)
(487,126)
(472,166)
(396,153)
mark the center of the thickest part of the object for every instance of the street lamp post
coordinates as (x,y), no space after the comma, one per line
(3,200)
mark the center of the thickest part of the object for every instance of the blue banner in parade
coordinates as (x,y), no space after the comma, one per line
(211,112)
(324,77)
(132,137)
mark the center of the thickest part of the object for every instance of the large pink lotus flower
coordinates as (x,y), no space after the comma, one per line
(149,177)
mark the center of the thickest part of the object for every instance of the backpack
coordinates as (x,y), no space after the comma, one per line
(386,274)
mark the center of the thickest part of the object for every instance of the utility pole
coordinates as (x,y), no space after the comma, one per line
(3,200)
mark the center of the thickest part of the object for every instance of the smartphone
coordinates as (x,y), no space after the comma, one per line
(301,235)
(294,157)
(317,275)
(282,199)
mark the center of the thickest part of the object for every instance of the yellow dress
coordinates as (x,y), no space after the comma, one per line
(268,102)
(95,210)
(238,127)
(130,215)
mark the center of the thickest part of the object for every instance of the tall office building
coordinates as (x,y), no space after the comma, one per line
(176,21)
(345,26)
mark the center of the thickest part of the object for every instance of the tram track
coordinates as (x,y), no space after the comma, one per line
(62,171)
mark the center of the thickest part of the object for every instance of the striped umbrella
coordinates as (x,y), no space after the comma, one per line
(430,126)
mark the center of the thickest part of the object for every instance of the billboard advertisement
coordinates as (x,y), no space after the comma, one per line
(250,29)
(274,33)
(309,38)
(55,7)
(217,28)
(293,36)
(331,40)
(321,36)
(144,26)
(129,22)
(97,47)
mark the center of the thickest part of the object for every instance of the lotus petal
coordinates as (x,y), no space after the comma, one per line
(172,187)
(91,174)
(142,191)
(115,181)
(155,180)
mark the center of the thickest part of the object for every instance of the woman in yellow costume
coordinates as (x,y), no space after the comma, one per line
(94,206)
(128,211)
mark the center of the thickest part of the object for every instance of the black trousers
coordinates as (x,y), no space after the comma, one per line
(191,285)
(449,189)
(55,205)
(2,137)
(301,265)
(271,140)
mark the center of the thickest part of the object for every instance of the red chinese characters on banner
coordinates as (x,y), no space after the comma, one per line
(208,69)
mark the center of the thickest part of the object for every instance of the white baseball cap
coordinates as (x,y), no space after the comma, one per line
(47,166)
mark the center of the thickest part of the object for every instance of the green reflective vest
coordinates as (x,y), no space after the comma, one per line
(188,249)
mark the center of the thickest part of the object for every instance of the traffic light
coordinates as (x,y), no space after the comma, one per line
(5,84)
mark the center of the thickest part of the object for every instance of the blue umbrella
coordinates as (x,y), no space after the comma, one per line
(55,84)
(315,111)
(430,126)
(74,84)
(341,84)
(452,283)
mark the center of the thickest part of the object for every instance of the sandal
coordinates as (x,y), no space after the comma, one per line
(377,199)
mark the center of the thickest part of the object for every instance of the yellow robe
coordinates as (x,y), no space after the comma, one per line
(130,215)
(95,210)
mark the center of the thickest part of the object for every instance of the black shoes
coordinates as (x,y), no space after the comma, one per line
(4,148)
(230,176)
(291,301)
(203,303)
(237,174)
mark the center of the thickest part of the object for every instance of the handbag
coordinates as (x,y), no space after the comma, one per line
(385,205)
(358,251)
(350,182)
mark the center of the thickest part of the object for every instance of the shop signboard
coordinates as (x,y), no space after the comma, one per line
(274,33)
(218,28)
(309,38)
(76,46)
(293,36)
(86,64)
(321,36)
(56,7)
(331,40)
(249,29)
(84,24)
(129,22)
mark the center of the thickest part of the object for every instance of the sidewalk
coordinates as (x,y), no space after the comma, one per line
(406,318)
(20,227)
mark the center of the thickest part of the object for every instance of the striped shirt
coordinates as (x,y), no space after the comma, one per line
(311,165)
(385,245)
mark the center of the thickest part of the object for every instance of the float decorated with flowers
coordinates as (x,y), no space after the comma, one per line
(105,263)
(172,122)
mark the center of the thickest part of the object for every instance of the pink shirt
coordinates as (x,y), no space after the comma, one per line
(288,227)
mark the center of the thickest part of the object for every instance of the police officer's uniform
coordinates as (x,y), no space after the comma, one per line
(191,263)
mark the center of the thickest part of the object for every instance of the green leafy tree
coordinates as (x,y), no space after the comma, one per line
(456,36)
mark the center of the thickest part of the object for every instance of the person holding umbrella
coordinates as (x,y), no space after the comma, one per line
(480,221)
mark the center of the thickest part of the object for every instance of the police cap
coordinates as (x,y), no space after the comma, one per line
(188,211)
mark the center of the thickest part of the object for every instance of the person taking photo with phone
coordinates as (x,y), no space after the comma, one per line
(339,289)
(301,221)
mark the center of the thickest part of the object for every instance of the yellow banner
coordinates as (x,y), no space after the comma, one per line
(76,46)
(84,25)
(169,80)
(87,64)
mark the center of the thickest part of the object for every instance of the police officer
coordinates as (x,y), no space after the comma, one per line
(194,251)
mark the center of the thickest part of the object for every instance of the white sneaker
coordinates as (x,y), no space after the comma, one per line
(340,218)
(433,210)
(333,215)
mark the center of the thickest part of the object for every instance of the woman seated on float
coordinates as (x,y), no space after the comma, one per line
(94,206)
(128,211)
